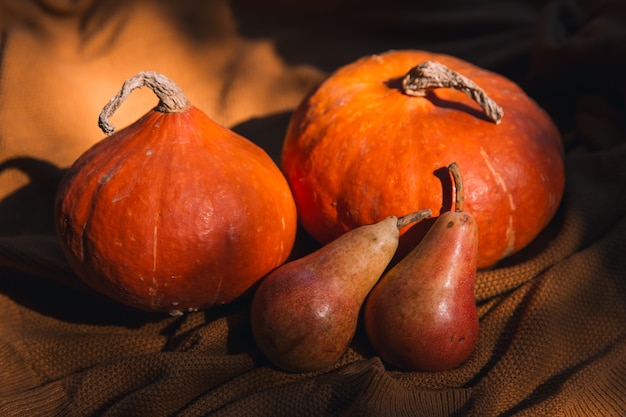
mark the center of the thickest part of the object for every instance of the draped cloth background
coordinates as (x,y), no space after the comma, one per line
(553,338)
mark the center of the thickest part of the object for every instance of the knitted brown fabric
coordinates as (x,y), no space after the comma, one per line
(553,333)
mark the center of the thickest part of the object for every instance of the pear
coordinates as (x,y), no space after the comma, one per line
(304,313)
(421,315)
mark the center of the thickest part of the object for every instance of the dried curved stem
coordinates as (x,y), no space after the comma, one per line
(459,199)
(413,217)
(171,97)
(430,74)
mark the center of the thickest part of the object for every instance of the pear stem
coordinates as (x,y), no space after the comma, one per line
(431,74)
(459,199)
(413,217)
(171,97)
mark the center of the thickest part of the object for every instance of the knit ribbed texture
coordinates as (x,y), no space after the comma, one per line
(552,318)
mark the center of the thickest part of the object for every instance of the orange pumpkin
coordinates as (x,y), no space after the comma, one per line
(375,138)
(174,212)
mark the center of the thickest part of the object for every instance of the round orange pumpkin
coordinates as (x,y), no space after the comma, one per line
(375,138)
(174,212)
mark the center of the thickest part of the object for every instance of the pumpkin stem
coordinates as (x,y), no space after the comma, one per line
(413,217)
(171,97)
(459,199)
(431,74)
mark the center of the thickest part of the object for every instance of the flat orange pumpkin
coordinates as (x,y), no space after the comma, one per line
(174,212)
(375,138)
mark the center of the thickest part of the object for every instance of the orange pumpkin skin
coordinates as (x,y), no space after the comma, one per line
(175,213)
(358,149)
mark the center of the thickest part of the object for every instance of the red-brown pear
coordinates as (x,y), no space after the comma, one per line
(304,313)
(421,315)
